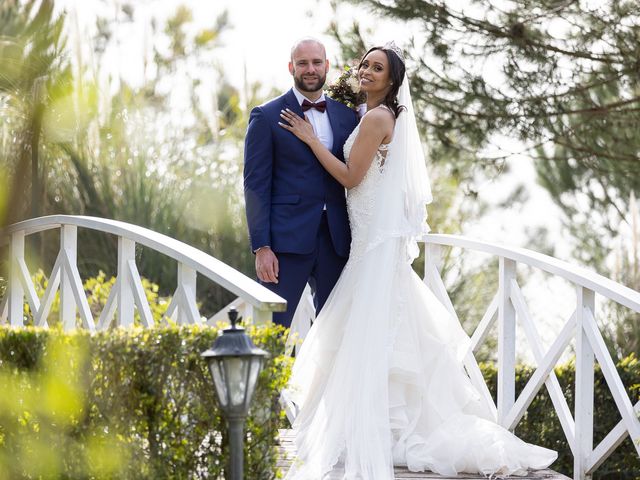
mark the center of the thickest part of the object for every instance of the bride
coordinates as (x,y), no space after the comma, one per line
(379,379)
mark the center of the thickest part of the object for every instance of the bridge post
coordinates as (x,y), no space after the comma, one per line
(433,256)
(16,290)
(506,341)
(187,278)
(585,359)
(126,252)
(69,245)
(262,317)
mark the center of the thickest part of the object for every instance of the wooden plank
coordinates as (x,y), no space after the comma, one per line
(40,317)
(69,251)
(139,295)
(27,285)
(110,307)
(288,452)
(506,341)
(188,310)
(124,296)
(585,362)
(77,289)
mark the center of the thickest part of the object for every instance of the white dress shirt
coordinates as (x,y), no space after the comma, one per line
(319,121)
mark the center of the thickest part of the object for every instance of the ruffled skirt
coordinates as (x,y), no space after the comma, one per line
(379,381)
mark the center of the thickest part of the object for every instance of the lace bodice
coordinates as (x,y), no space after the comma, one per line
(361,198)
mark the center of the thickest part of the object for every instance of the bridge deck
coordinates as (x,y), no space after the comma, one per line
(288,453)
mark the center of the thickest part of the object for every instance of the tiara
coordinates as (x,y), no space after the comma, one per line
(395,49)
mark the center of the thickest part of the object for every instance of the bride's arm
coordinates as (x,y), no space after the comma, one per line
(376,126)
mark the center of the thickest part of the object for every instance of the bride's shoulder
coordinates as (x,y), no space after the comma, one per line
(378,118)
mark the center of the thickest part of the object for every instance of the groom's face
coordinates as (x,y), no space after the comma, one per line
(309,66)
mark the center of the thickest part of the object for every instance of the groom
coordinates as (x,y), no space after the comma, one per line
(296,212)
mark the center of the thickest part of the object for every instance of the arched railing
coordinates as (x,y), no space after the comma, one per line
(507,307)
(127,293)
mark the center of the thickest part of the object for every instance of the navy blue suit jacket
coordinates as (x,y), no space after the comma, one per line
(285,185)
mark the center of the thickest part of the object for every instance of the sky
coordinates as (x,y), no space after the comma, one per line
(257,43)
(257,46)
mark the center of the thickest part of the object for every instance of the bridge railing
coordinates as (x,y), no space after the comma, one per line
(127,293)
(508,308)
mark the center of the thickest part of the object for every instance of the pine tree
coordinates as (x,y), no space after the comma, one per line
(561,77)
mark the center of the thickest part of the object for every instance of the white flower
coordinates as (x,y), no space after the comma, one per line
(353,84)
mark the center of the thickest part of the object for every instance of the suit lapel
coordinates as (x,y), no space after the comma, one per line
(291,102)
(336,125)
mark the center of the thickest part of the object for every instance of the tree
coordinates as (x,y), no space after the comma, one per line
(33,68)
(558,76)
(133,155)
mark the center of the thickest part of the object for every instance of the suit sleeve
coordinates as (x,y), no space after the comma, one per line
(258,167)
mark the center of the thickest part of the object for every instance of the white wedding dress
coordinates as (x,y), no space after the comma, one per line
(379,378)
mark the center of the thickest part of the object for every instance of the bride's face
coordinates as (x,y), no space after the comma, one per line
(374,73)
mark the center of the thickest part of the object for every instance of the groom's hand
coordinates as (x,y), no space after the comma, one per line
(267,265)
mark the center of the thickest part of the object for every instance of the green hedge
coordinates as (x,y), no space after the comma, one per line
(542,427)
(127,404)
(139,404)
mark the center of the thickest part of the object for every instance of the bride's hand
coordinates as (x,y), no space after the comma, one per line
(300,127)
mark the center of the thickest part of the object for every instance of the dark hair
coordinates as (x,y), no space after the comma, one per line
(396,75)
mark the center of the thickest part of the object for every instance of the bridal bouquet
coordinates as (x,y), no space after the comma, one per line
(346,89)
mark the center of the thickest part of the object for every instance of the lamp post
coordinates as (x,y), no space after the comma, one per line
(235,362)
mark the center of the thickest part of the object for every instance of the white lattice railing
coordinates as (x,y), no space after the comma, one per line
(127,293)
(507,307)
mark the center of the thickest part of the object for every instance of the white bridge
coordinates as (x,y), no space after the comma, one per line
(508,307)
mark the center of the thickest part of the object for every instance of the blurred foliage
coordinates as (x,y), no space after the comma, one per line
(46,406)
(540,424)
(31,53)
(553,74)
(622,325)
(132,153)
(139,404)
(130,404)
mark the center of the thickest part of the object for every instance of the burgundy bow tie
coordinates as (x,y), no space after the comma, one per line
(320,106)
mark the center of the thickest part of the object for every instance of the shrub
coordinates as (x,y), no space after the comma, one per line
(139,404)
(127,404)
